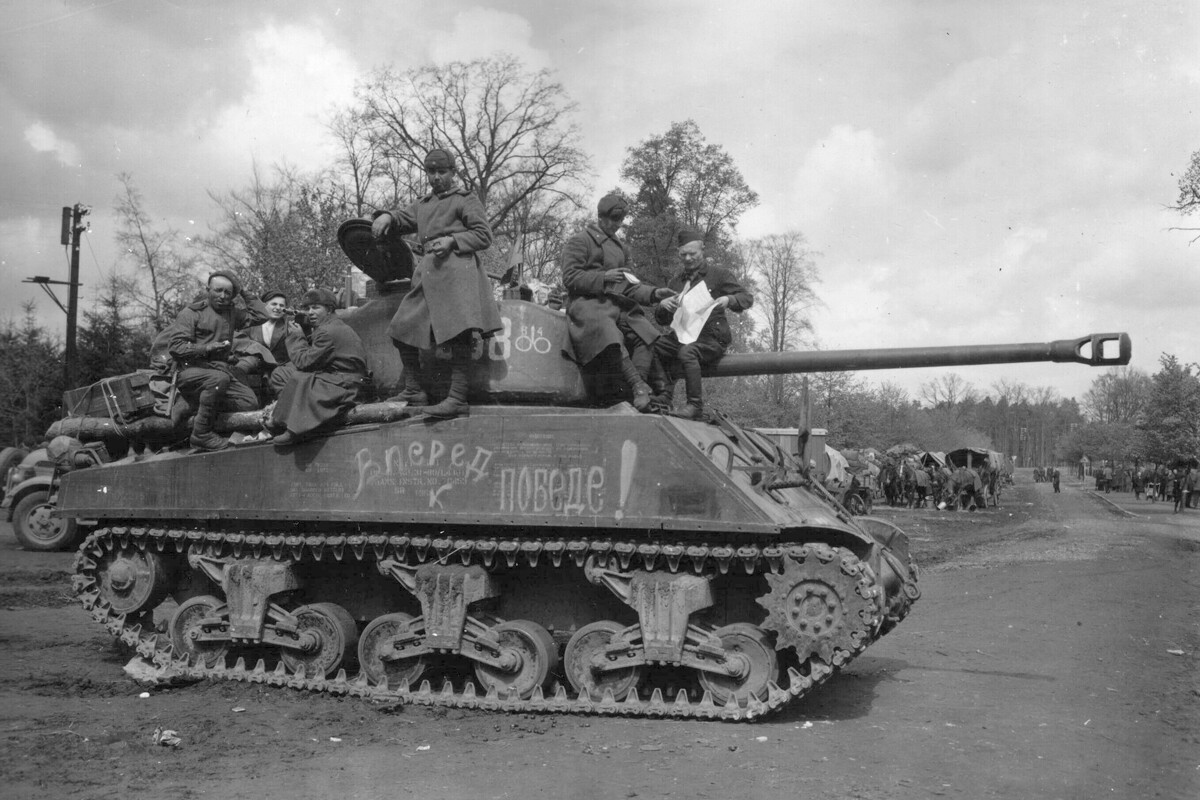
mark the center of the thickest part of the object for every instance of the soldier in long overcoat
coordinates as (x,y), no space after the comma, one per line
(330,367)
(604,308)
(451,299)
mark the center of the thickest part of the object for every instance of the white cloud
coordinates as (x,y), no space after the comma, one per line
(42,139)
(297,76)
(481,32)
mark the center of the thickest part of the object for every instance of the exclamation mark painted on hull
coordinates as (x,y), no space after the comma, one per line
(629,452)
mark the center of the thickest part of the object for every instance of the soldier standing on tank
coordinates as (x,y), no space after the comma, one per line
(211,375)
(329,368)
(609,330)
(687,360)
(450,303)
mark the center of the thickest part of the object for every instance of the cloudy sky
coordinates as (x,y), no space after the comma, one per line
(970,172)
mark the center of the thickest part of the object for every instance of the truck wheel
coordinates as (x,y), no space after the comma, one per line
(36,529)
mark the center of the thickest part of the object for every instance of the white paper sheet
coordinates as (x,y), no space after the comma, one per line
(694,309)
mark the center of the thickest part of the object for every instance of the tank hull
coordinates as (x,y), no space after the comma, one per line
(642,565)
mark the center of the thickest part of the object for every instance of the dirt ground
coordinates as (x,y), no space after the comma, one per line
(1053,655)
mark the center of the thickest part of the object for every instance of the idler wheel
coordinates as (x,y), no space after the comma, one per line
(327,635)
(533,656)
(186,629)
(759,666)
(400,672)
(133,580)
(577,663)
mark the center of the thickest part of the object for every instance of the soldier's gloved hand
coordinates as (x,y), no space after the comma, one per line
(382,225)
(663,293)
(214,349)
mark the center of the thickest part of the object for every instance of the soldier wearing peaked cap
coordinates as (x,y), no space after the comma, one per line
(328,370)
(451,301)
(211,372)
(610,332)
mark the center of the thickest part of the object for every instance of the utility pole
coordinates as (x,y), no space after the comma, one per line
(72,226)
(76,228)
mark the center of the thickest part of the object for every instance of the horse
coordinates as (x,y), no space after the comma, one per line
(889,482)
(916,485)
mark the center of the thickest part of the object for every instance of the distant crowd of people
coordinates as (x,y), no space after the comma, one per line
(1177,482)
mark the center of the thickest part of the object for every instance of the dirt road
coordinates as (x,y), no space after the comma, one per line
(1054,654)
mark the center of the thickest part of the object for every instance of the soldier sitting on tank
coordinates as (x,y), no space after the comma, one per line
(686,357)
(609,330)
(450,306)
(272,336)
(211,373)
(328,370)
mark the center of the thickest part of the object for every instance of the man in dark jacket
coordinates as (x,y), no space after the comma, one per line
(330,367)
(609,331)
(272,335)
(686,358)
(211,373)
(450,303)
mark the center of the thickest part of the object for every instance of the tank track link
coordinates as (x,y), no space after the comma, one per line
(157,650)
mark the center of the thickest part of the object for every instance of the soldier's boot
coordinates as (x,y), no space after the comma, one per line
(641,390)
(411,391)
(203,437)
(692,383)
(180,411)
(660,388)
(455,404)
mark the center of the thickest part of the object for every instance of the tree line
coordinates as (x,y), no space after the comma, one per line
(517,144)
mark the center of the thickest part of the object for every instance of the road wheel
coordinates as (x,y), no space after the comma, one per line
(37,529)
(333,635)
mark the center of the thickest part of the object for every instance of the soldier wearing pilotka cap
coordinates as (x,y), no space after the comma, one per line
(451,300)
(687,360)
(610,332)
(328,370)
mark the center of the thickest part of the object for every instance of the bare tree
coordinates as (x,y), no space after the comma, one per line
(786,272)
(164,276)
(510,131)
(1011,392)
(949,391)
(1189,192)
(1118,395)
(280,232)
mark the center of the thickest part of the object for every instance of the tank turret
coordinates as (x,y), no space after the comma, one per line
(535,555)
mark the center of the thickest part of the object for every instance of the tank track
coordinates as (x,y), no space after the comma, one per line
(156,648)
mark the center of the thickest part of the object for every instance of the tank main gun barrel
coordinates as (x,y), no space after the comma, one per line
(1096,350)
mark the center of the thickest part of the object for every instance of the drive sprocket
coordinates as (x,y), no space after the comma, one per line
(825,603)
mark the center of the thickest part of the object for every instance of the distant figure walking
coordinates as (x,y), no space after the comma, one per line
(1056,477)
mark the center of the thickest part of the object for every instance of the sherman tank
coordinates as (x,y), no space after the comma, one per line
(538,554)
